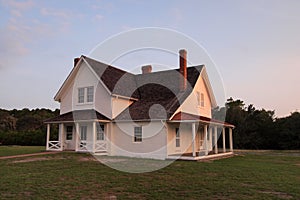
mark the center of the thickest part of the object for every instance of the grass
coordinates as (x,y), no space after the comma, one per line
(263,175)
(16,150)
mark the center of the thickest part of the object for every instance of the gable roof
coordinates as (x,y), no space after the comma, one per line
(117,81)
(157,92)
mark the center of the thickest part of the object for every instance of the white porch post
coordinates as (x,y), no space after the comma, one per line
(230,140)
(94,137)
(193,138)
(216,139)
(61,136)
(223,134)
(205,140)
(210,138)
(76,136)
(48,137)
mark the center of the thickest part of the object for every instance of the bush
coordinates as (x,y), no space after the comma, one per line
(30,138)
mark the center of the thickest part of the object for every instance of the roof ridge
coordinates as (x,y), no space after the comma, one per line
(108,65)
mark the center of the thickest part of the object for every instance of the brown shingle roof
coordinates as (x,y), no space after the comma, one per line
(159,88)
(118,82)
(77,115)
(151,89)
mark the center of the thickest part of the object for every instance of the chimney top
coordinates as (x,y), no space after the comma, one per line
(182,51)
(146,69)
(182,69)
(76,60)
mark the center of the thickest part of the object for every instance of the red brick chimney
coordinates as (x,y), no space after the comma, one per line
(76,61)
(146,69)
(182,69)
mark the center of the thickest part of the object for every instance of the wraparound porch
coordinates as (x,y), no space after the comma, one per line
(204,134)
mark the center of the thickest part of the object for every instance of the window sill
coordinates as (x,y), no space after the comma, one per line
(85,104)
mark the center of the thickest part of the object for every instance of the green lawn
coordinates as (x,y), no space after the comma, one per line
(252,175)
(16,150)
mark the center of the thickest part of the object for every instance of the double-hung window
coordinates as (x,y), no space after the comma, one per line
(138,135)
(86,94)
(202,99)
(80,95)
(90,94)
(69,134)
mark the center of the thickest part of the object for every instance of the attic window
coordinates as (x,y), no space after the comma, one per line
(80,95)
(90,94)
(86,94)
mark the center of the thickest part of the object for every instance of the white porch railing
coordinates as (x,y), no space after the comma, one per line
(54,145)
(85,145)
(100,146)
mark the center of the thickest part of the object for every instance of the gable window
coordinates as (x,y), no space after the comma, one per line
(86,94)
(177,141)
(83,132)
(80,95)
(198,98)
(202,100)
(138,134)
(69,135)
(90,94)
(100,132)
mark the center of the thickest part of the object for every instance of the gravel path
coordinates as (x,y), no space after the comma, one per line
(27,155)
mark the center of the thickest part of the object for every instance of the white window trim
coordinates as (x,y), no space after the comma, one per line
(85,95)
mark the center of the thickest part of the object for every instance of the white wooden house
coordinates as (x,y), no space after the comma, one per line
(161,115)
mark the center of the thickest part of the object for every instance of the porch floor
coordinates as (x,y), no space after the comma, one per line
(199,156)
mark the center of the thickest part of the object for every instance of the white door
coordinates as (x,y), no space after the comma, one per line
(70,138)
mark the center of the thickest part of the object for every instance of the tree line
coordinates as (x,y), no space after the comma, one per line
(259,128)
(254,128)
(24,127)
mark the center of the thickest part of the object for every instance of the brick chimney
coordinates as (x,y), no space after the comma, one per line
(76,61)
(146,69)
(183,69)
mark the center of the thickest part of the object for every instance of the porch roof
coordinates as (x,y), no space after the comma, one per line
(182,117)
(78,115)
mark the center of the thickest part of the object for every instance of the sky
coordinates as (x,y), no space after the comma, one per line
(255,45)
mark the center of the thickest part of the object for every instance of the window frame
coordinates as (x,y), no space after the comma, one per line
(81,94)
(198,98)
(138,134)
(90,94)
(202,103)
(69,133)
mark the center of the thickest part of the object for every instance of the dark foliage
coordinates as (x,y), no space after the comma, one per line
(24,127)
(259,129)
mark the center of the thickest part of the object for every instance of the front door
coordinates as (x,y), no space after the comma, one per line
(70,138)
